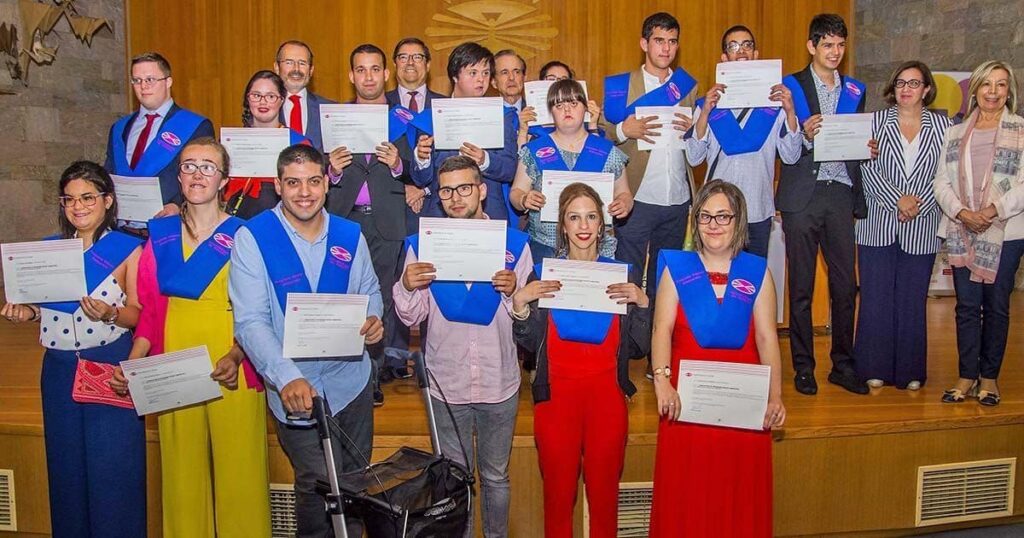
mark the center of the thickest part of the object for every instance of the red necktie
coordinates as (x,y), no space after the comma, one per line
(140,145)
(412,102)
(295,119)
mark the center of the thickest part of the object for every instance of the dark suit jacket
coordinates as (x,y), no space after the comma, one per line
(387,193)
(394,99)
(169,186)
(500,169)
(796,185)
(312,126)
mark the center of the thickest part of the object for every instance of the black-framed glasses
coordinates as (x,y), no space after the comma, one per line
(734,46)
(88,199)
(206,169)
(270,98)
(913,83)
(722,219)
(445,193)
(415,58)
(148,81)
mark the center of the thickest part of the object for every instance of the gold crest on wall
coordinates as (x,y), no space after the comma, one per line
(495,24)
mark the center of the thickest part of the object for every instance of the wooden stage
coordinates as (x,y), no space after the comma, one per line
(844,464)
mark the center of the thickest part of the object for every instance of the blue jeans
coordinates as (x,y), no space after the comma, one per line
(983,315)
(493,425)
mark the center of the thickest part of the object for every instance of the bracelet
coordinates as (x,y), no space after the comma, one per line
(665,371)
(37,314)
(521,316)
(112,320)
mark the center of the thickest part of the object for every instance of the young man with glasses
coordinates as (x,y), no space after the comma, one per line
(740,145)
(469,346)
(147,142)
(301,110)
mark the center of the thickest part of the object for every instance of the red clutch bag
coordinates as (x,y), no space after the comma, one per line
(91,386)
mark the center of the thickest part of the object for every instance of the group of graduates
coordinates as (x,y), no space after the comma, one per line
(216,265)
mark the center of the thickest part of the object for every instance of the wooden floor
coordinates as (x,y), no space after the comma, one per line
(830,417)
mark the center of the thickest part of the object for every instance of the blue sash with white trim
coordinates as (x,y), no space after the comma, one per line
(849,97)
(189,279)
(174,132)
(735,139)
(616,91)
(101,260)
(577,325)
(592,157)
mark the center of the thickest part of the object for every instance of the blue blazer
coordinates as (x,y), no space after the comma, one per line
(501,169)
(312,126)
(169,186)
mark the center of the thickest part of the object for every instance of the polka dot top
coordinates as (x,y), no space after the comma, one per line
(58,329)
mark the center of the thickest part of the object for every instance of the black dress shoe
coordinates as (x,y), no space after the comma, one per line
(849,381)
(805,384)
(386,375)
(378,397)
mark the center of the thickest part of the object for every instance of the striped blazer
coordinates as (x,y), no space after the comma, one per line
(886,180)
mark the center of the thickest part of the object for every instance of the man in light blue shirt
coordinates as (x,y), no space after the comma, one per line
(298,247)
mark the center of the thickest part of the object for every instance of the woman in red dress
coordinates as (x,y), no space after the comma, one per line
(714,480)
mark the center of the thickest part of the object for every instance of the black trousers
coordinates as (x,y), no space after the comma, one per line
(648,229)
(826,224)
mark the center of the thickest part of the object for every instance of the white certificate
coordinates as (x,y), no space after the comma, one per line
(171,380)
(584,285)
(670,137)
(748,84)
(138,198)
(554,181)
(469,250)
(254,152)
(843,137)
(477,120)
(324,325)
(535,94)
(44,271)
(723,393)
(360,128)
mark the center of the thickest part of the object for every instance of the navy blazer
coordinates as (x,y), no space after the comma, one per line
(312,125)
(796,185)
(169,186)
(501,169)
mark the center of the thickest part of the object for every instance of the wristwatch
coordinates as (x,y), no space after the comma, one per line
(664,371)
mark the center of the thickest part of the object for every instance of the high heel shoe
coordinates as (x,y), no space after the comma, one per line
(956,395)
(988,398)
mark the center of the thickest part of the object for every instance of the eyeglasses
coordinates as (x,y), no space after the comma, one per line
(553,77)
(292,63)
(445,193)
(734,46)
(270,98)
(414,58)
(148,81)
(88,200)
(913,83)
(207,169)
(722,219)
(567,105)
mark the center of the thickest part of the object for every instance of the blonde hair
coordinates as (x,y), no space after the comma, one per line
(981,73)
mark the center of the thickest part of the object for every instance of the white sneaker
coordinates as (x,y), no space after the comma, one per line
(876,383)
(914,385)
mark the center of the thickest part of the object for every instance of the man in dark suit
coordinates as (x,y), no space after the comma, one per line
(819,202)
(412,65)
(147,142)
(370,189)
(470,68)
(301,110)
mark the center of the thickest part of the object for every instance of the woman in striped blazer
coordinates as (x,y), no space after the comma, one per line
(896,243)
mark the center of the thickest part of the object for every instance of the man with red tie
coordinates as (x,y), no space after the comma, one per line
(147,142)
(301,110)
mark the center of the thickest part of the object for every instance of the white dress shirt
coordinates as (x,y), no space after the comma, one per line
(421,97)
(140,123)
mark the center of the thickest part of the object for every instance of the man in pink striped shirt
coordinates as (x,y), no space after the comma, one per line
(469,346)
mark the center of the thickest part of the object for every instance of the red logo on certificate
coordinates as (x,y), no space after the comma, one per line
(744,286)
(170,138)
(545,152)
(224,240)
(341,254)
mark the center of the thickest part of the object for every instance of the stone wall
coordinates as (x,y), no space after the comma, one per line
(947,35)
(62,115)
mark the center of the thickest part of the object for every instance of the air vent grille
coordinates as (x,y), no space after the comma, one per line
(965,491)
(282,511)
(634,510)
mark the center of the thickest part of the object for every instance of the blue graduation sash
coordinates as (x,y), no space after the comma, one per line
(733,138)
(101,259)
(849,98)
(538,131)
(174,132)
(284,266)
(478,303)
(592,157)
(577,325)
(714,325)
(189,279)
(616,91)
(400,123)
